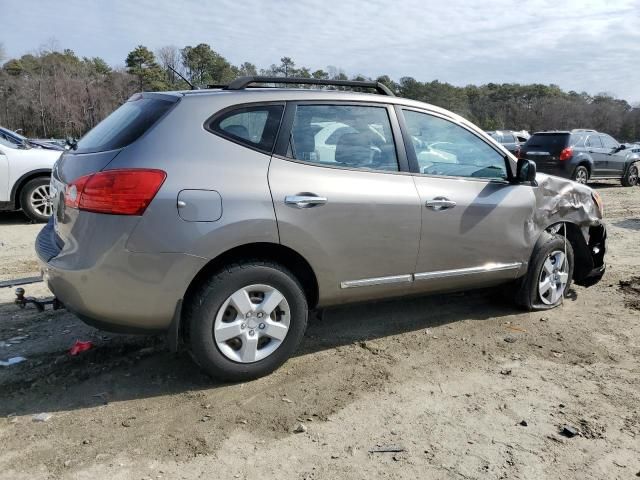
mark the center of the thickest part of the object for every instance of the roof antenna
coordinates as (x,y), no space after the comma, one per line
(180,75)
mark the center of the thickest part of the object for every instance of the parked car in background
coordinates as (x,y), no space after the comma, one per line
(18,140)
(583,155)
(508,139)
(222,216)
(25,172)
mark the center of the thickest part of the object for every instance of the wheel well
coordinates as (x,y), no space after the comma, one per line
(22,181)
(583,261)
(274,252)
(586,165)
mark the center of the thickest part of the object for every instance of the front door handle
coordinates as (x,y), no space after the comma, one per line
(304,201)
(440,203)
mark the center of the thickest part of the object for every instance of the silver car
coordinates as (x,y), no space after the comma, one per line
(223,216)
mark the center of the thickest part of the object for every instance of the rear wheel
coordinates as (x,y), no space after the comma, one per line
(630,179)
(549,276)
(246,320)
(35,199)
(580,175)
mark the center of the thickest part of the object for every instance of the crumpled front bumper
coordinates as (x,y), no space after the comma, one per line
(593,272)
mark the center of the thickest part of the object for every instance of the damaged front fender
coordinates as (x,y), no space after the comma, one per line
(571,209)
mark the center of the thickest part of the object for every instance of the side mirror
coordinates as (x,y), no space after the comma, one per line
(621,147)
(526,171)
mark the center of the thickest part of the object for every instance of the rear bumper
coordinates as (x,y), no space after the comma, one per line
(115,289)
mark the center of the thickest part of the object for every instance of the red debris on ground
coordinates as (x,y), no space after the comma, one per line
(80,347)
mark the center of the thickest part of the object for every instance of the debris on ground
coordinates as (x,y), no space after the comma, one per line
(505,371)
(300,428)
(523,423)
(11,361)
(569,431)
(80,347)
(388,449)
(42,417)
(510,339)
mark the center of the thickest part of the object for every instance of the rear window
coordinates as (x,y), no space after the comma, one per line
(508,138)
(548,141)
(125,125)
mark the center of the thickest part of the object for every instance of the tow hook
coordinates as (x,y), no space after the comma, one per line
(22,301)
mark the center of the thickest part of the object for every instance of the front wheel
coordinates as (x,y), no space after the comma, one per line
(580,175)
(35,199)
(630,179)
(549,276)
(246,320)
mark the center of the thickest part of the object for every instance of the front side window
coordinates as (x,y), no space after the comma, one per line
(349,136)
(609,142)
(444,148)
(254,126)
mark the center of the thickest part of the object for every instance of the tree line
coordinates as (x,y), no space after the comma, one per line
(58,94)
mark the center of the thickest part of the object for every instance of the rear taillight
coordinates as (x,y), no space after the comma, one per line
(566,154)
(116,192)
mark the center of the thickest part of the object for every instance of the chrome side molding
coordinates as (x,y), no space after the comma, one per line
(408,278)
(488,268)
(369,282)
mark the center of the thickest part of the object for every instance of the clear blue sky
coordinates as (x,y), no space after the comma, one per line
(578,44)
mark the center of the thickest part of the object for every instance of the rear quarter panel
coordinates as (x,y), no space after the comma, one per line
(197,159)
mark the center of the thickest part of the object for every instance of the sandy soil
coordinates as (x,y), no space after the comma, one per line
(465,386)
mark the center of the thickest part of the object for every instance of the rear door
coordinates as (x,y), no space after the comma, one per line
(474,222)
(350,208)
(597,153)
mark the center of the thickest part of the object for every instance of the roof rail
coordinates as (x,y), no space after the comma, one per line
(577,130)
(241,83)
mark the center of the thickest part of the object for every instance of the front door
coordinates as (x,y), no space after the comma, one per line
(346,207)
(475,224)
(615,163)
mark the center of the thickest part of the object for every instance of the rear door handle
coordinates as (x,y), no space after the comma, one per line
(304,201)
(440,203)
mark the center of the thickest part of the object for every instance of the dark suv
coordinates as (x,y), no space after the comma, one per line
(583,155)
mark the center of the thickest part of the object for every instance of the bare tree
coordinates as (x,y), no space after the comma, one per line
(169,58)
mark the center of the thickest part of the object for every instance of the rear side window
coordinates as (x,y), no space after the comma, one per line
(255,126)
(508,138)
(350,136)
(594,141)
(548,141)
(125,125)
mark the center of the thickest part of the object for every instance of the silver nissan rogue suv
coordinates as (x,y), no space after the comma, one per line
(222,216)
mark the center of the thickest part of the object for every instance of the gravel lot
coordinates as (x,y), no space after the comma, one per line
(463,385)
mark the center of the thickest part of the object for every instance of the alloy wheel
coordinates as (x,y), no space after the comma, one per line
(40,201)
(252,323)
(553,278)
(581,176)
(633,175)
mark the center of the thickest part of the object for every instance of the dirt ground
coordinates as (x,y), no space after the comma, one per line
(464,386)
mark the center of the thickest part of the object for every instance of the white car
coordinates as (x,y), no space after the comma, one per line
(24,179)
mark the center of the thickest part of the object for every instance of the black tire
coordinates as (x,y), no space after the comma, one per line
(580,174)
(204,305)
(630,179)
(527,294)
(28,190)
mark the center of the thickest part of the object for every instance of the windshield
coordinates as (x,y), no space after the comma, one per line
(125,125)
